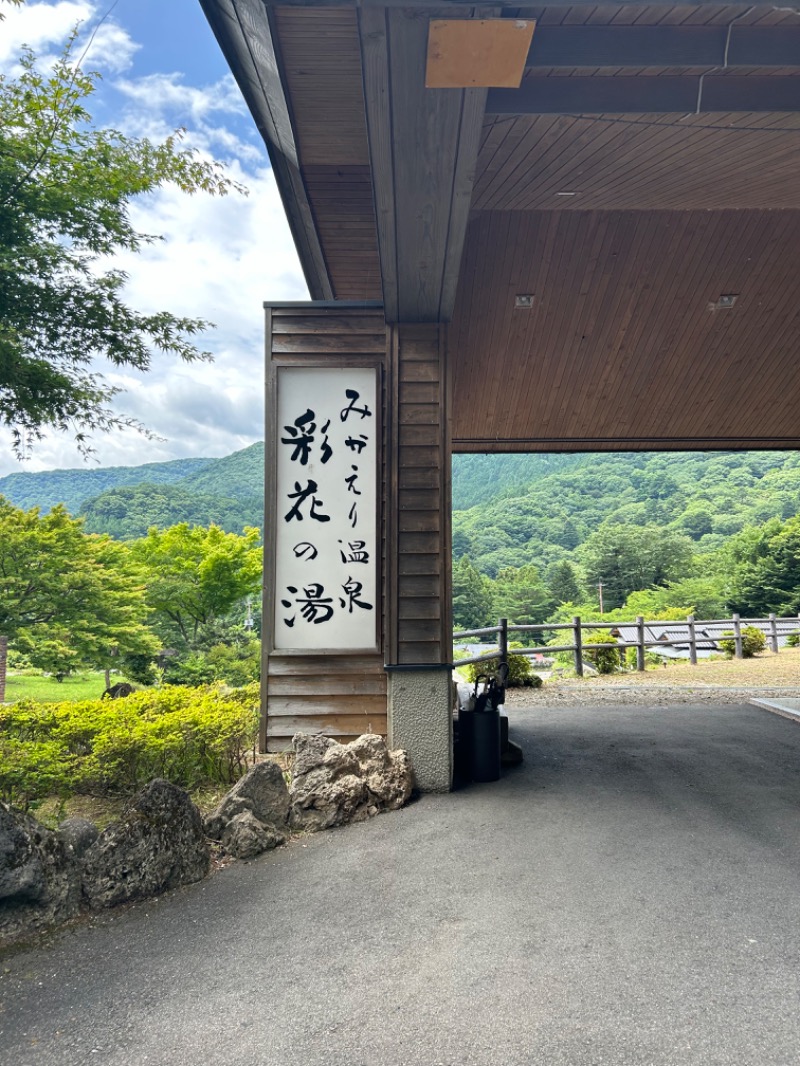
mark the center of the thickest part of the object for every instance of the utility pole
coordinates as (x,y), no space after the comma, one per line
(600,592)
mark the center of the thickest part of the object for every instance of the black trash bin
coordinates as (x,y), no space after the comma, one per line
(485,744)
(463,748)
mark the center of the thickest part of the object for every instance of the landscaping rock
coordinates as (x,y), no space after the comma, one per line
(158,845)
(78,834)
(245,836)
(388,774)
(333,784)
(262,794)
(39,877)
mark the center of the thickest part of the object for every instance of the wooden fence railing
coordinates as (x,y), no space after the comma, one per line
(772,627)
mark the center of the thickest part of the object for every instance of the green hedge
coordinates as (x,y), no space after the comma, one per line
(192,737)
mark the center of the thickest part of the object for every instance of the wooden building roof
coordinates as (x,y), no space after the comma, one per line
(642,185)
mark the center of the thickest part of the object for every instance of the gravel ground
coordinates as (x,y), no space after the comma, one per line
(725,681)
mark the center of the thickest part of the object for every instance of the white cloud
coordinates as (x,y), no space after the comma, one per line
(157,104)
(166,92)
(46,27)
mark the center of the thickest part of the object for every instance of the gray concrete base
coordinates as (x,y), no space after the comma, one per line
(787,708)
(421,722)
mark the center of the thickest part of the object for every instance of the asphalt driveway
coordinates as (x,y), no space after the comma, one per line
(631,894)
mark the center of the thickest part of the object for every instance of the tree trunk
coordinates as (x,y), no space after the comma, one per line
(108,678)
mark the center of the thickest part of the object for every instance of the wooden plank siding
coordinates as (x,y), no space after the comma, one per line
(340,695)
(419,537)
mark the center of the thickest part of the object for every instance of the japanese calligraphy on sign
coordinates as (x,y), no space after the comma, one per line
(326,548)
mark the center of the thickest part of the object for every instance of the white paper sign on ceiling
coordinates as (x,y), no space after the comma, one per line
(327,546)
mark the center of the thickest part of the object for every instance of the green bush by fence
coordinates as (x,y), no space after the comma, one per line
(192,737)
(520,673)
(753,641)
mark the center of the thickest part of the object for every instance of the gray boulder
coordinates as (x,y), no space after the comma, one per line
(159,844)
(254,816)
(388,775)
(78,834)
(333,784)
(245,836)
(39,877)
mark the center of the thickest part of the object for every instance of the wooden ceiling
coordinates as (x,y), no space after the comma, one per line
(625,225)
(621,348)
(638,162)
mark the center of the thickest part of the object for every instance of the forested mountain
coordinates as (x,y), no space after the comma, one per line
(509,510)
(227,492)
(705,496)
(238,475)
(129,511)
(125,501)
(46,488)
(478,478)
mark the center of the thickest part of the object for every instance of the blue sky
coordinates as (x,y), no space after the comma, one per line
(162,69)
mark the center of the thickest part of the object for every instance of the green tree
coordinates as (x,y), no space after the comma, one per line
(563,583)
(628,558)
(68,599)
(472,596)
(520,595)
(196,576)
(703,597)
(765,564)
(65,194)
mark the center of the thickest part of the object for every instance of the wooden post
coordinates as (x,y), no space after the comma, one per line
(692,641)
(3,662)
(502,626)
(737,636)
(640,643)
(576,624)
(773,634)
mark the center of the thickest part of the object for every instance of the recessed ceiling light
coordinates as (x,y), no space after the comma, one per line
(725,301)
(524,300)
(566,194)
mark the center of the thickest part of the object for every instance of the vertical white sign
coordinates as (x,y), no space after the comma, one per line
(326,558)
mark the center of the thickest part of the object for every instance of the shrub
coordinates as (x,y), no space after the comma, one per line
(651,659)
(753,641)
(192,737)
(793,640)
(234,664)
(520,674)
(604,660)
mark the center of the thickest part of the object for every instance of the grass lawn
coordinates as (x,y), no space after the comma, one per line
(84,686)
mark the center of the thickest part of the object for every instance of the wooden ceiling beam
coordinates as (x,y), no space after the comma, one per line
(680,94)
(423,146)
(665,46)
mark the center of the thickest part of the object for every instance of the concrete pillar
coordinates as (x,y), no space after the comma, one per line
(421,722)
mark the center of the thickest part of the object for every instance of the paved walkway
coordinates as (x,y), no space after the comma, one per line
(630,895)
